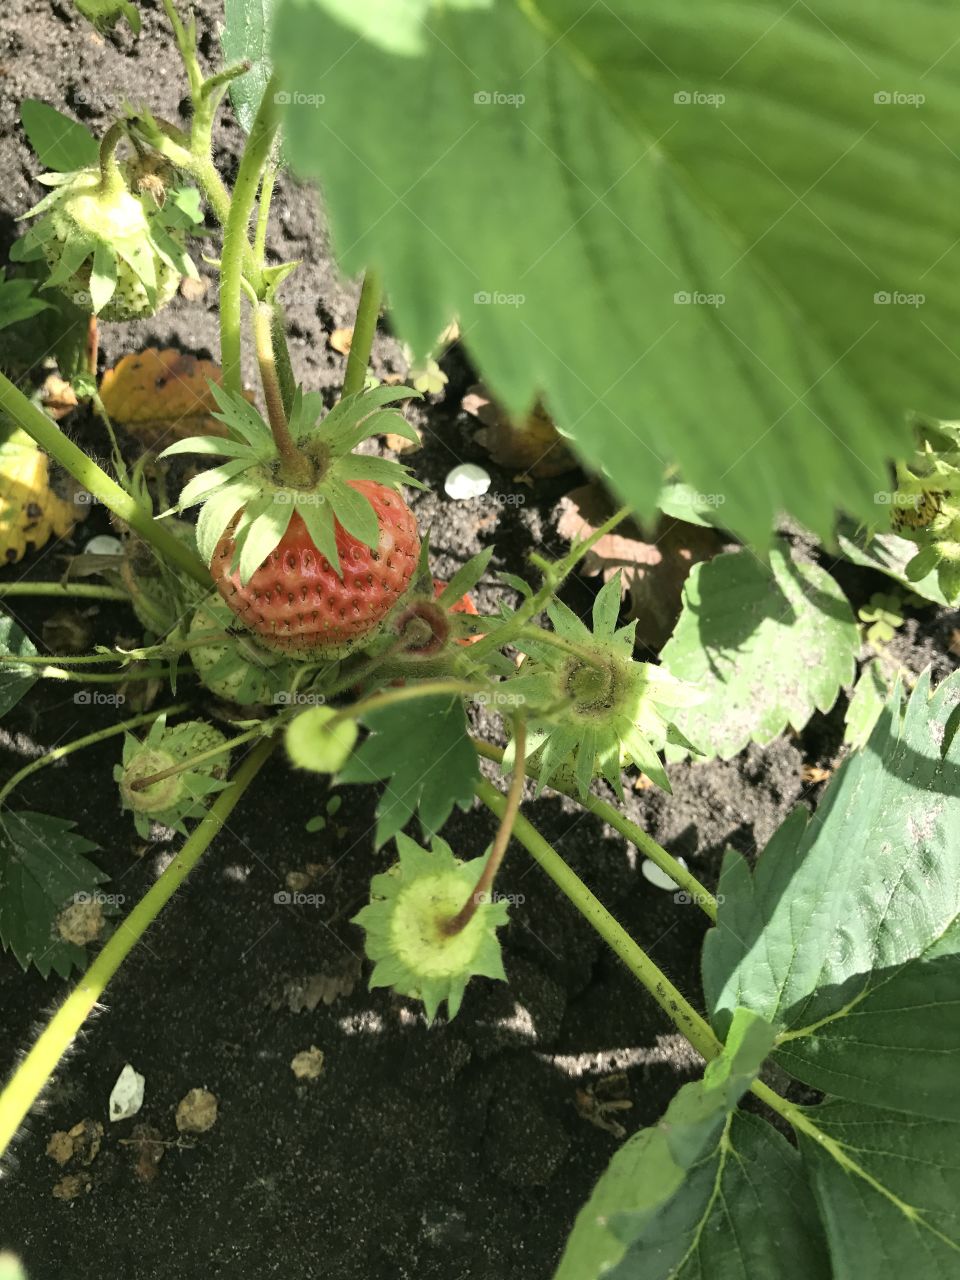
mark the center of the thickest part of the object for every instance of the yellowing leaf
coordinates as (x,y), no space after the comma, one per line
(162,395)
(30,512)
(532,445)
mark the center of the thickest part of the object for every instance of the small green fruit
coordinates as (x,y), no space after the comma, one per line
(171,800)
(237,669)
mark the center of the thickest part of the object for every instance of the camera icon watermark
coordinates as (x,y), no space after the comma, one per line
(288,497)
(697,899)
(494,896)
(894,498)
(493,698)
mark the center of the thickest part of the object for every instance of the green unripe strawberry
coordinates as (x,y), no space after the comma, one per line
(170,800)
(111,251)
(236,669)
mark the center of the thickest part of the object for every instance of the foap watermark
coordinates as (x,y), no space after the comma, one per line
(84,897)
(895,98)
(494,896)
(895,298)
(284,498)
(696,298)
(893,498)
(97,698)
(506,499)
(298,699)
(692,498)
(697,899)
(293,898)
(83,498)
(298,99)
(694,98)
(493,698)
(114,100)
(496,298)
(493,98)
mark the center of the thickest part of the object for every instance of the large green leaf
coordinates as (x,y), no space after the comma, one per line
(767,646)
(888,554)
(682,223)
(704,1193)
(424,754)
(42,868)
(847,912)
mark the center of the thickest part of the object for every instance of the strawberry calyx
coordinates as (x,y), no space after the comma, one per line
(407,934)
(251,497)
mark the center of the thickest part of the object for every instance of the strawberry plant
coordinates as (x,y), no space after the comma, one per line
(704,198)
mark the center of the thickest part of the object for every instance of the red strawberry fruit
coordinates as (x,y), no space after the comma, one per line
(310,544)
(296,600)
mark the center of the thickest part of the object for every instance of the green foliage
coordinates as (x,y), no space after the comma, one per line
(107,13)
(678,223)
(16,679)
(424,755)
(883,615)
(18,300)
(869,696)
(889,554)
(677,1198)
(767,646)
(61,144)
(845,941)
(246,36)
(42,869)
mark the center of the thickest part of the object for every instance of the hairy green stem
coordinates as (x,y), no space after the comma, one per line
(644,843)
(484,885)
(364,328)
(295,467)
(696,1029)
(255,156)
(111,677)
(281,352)
(63,590)
(409,693)
(78,744)
(96,481)
(40,1063)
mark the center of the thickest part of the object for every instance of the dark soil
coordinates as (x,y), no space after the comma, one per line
(451,1153)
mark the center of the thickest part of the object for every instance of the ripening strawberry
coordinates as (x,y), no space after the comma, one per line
(296,601)
(313,568)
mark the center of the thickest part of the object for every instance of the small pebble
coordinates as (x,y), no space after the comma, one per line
(467,481)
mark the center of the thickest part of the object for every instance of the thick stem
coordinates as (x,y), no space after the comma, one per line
(696,1029)
(365,326)
(63,590)
(389,697)
(281,352)
(40,1063)
(484,885)
(78,744)
(112,677)
(96,481)
(255,156)
(295,467)
(697,892)
(111,179)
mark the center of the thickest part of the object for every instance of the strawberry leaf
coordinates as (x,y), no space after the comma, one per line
(729,165)
(42,868)
(16,679)
(60,143)
(426,760)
